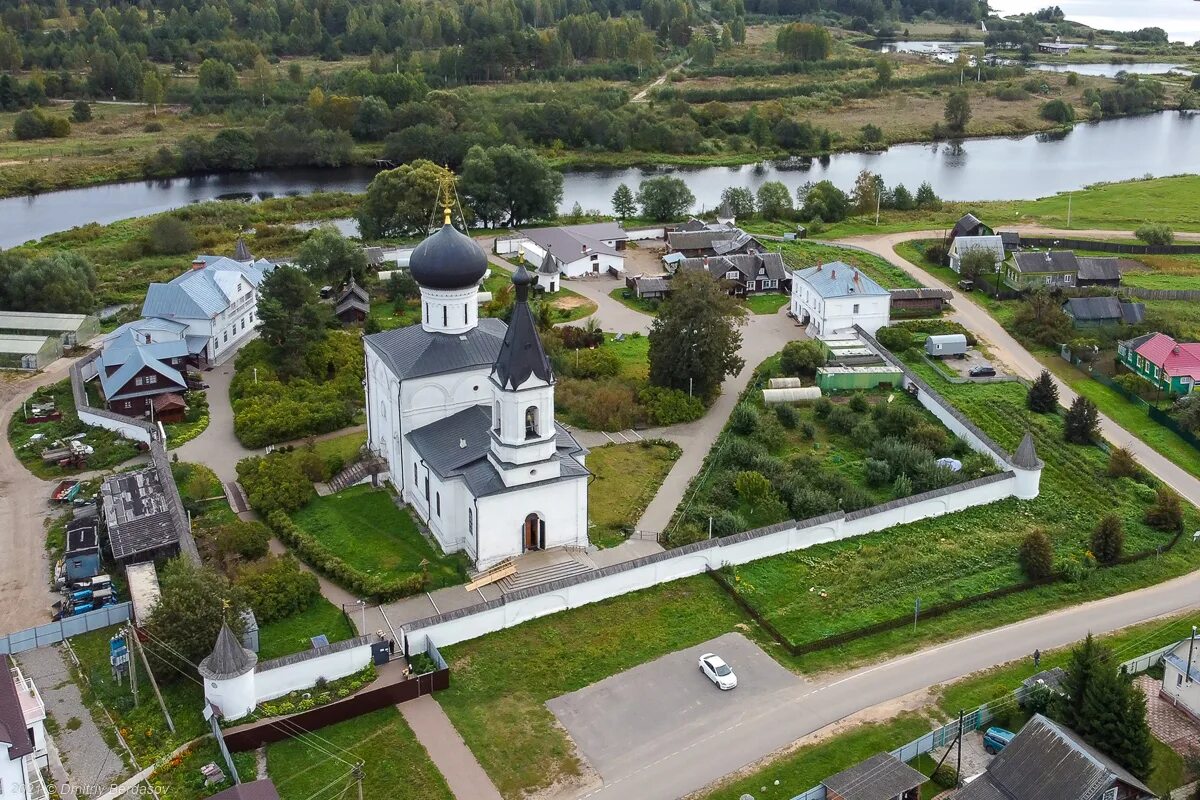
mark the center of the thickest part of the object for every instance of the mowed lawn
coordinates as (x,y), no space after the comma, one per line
(627,476)
(768,303)
(501,682)
(364,527)
(293,634)
(396,765)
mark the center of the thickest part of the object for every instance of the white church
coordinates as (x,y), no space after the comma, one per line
(462,411)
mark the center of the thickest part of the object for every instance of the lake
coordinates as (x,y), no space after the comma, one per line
(1179,18)
(1014,168)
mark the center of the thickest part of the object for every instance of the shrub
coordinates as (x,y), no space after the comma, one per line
(81,111)
(275,482)
(878,473)
(808,431)
(902,486)
(1167,513)
(742,453)
(1036,555)
(865,433)
(895,339)
(1057,111)
(575,338)
(247,540)
(277,588)
(169,235)
(822,408)
(38,124)
(858,403)
(152,127)
(725,522)
(1108,539)
(1082,425)
(787,415)
(744,419)
(945,776)
(592,364)
(608,405)
(1122,464)
(1042,396)
(1155,233)
(665,406)
(802,358)
(752,487)
(842,420)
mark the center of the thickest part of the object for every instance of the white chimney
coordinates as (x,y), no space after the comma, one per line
(462,444)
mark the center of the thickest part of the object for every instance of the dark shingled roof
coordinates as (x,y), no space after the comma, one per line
(228,658)
(748,264)
(449,259)
(458,446)
(1098,269)
(241,252)
(137,513)
(699,240)
(1046,761)
(1104,309)
(13,731)
(549,264)
(82,534)
(521,354)
(1026,456)
(254,790)
(1037,261)
(412,352)
(923,293)
(880,777)
(965,226)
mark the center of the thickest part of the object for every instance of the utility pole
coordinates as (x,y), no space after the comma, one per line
(878,202)
(130,635)
(1069,198)
(1191,648)
(154,684)
(958,769)
(710,536)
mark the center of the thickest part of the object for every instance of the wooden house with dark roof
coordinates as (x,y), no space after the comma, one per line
(880,777)
(353,304)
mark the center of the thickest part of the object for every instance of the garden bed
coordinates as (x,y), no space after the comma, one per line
(626,478)
(110,448)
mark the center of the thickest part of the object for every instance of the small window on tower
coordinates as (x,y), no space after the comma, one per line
(446,316)
(531,422)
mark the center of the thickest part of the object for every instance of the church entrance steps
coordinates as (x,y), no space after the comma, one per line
(534,576)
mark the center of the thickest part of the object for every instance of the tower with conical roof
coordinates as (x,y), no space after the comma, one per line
(547,274)
(448,266)
(523,437)
(228,673)
(1027,468)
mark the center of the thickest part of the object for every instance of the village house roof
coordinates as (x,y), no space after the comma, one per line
(228,659)
(723,246)
(1176,359)
(839,279)
(1104,309)
(965,244)
(457,446)
(1041,261)
(1046,761)
(1098,269)
(13,730)
(880,777)
(747,264)
(412,351)
(652,284)
(922,293)
(571,242)
(701,239)
(125,350)
(353,297)
(203,291)
(137,513)
(966,225)
(263,789)
(521,354)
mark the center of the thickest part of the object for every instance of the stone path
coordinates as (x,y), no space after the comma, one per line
(91,764)
(1169,725)
(447,750)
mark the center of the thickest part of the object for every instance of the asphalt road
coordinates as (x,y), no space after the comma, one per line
(725,749)
(655,709)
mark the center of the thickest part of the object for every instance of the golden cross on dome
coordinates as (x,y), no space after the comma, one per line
(446,190)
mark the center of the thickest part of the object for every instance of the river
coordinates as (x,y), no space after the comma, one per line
(1179,18)
(1014,168)
(929,47)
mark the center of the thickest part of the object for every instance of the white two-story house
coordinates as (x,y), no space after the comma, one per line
(217,299)
(23,751)
(830,299)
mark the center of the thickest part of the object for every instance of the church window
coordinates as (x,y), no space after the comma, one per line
(439,503)
(427,488)
(446,316)
(531,422)
(470,520)
(496,417)
(416,480)
(465,315)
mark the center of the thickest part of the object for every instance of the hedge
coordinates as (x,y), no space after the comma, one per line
(320,558)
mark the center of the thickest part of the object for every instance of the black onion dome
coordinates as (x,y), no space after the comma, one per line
(448,259)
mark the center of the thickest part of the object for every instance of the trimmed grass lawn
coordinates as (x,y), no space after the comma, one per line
(627,297)
(292,634)
(807,766)
(568,305)
(634,354)
(384,313)
(365,528)
(345,446)
(627,476)
(766,303)
(110,448)
(396,765)
(803,254)
(505,722)
(847,585)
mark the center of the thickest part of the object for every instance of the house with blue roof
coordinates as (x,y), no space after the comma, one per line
(1181,676)
(217,301)
(141,369)
(830,299)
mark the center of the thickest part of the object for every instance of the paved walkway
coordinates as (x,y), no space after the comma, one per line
(446,748)
(1009,351)
(217,447)
(1169,725)
(91,764)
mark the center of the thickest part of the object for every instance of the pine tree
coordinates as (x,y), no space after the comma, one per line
(1036,555)
(1122,464)
(1043,394)
(1108,539)
(1086,659)
(1114,717)
(1083,422)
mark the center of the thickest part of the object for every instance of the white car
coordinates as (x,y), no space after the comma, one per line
(717,671)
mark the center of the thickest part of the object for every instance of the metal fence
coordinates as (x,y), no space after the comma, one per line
(55,632)
(1147,660)
(432,652)
(1156,414)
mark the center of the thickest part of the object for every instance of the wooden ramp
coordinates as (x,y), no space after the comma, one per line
(497,572)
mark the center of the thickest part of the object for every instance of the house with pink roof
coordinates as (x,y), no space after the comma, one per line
(1167,364)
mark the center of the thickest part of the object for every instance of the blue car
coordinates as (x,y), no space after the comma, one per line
(996,739)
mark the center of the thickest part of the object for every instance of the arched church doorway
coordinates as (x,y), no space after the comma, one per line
(534,532)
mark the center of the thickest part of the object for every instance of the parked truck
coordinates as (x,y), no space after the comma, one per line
(67,453)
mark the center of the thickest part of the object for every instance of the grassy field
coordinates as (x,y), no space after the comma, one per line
(346,446)
(766,303)
(110,448)
(396,766)
(366,529)
(849,584)
(293,634)
(627,476)
(506,723)
(626,297)
(804,254)
(633,352)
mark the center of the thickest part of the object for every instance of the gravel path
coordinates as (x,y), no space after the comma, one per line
(92,766)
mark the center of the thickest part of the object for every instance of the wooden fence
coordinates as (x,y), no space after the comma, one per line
(1160,294)
(1132,248)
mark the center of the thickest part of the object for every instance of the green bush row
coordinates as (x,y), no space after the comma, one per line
(317,556)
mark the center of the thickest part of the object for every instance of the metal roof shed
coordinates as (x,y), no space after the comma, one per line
(71,329)
(28,352)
